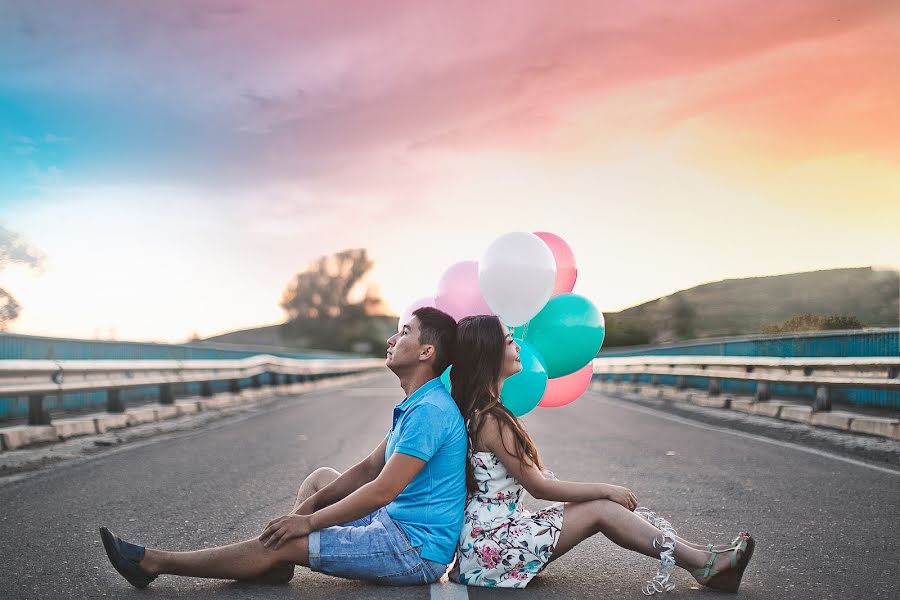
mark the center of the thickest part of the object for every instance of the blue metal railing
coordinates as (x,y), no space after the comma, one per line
(17,346)
(853,343)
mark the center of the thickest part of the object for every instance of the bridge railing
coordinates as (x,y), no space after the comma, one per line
(822,373)
(38,378)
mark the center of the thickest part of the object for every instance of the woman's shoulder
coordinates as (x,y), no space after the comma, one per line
(493,432)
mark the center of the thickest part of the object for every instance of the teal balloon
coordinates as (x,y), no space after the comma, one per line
(519,332)
(445,377)
(567,333)
(524,390)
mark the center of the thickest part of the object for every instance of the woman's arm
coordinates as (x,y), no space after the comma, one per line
(498,438)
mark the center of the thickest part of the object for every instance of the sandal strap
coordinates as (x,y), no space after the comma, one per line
(707,570)
(742,547)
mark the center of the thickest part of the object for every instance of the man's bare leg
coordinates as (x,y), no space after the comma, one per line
(246,560)
(314,482)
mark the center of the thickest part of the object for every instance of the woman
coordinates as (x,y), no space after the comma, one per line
(502,544)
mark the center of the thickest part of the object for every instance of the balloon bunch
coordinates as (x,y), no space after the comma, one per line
(526,279)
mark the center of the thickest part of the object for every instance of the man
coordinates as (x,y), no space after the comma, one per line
(393,518)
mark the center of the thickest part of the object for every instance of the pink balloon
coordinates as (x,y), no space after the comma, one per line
(566,273)
(407,313)
(458,293)
(563,390)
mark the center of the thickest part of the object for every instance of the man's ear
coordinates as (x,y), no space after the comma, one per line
(427,352)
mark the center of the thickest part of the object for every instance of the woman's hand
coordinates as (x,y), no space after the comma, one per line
(622,495)
(283,529)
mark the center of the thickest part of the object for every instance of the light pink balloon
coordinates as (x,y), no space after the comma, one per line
(407,313)
(566,273)
(563,390)
(458,293)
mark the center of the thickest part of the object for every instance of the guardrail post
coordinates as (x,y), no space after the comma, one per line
(715,387)
(114,401)
(681,382)
(165,394)
(234,386)
(635,386)
(654,380)
(762,391)
(255,382)
(274,379)
(206,389)
(822,402)
(36,413)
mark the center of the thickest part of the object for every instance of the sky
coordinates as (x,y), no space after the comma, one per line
(179,161)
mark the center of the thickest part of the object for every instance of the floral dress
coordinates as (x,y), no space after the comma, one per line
(502,544)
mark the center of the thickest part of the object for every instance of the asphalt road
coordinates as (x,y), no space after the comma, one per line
(826,528)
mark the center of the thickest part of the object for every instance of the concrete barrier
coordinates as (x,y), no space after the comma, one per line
(220,402)
(165,411)
(771,408)
(743,405)
(187,407)
(799,414)
(68,428)
(108,421)
(701,399)
(835,419)
(26,435)
(879,426)
(139,416)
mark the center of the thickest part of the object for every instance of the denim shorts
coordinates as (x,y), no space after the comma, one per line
(373,548)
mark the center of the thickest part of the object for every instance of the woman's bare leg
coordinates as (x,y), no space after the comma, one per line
(244,560)
(623,527)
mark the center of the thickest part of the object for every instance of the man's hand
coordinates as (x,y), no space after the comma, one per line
(283,529)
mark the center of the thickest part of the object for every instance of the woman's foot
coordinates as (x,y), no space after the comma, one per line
(742,535)
(723,569)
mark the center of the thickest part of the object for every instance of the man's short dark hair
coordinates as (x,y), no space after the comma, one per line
(438,329)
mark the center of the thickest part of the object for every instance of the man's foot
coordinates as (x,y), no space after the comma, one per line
(126,559)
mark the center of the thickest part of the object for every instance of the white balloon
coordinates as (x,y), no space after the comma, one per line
(516,275)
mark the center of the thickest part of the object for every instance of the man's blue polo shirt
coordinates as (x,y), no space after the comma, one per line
(428,425)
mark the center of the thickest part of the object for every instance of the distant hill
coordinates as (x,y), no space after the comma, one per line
(257,336)
(271,336)
(723,308)
(746,306)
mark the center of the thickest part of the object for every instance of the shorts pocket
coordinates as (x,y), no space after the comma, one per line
(404,536)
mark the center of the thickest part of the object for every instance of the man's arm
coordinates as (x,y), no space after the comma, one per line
(363,472)
(393,479)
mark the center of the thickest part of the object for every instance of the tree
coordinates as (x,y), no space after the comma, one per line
(682,314)
(626,332)
(15,249)
(811,322)
(329,306)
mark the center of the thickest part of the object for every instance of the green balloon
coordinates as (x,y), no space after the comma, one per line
(568,333)
(524,390)
(445,377)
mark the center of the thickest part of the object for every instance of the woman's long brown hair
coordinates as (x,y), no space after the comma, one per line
(475,378)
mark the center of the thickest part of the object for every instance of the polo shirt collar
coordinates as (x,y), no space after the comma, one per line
(419,393)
